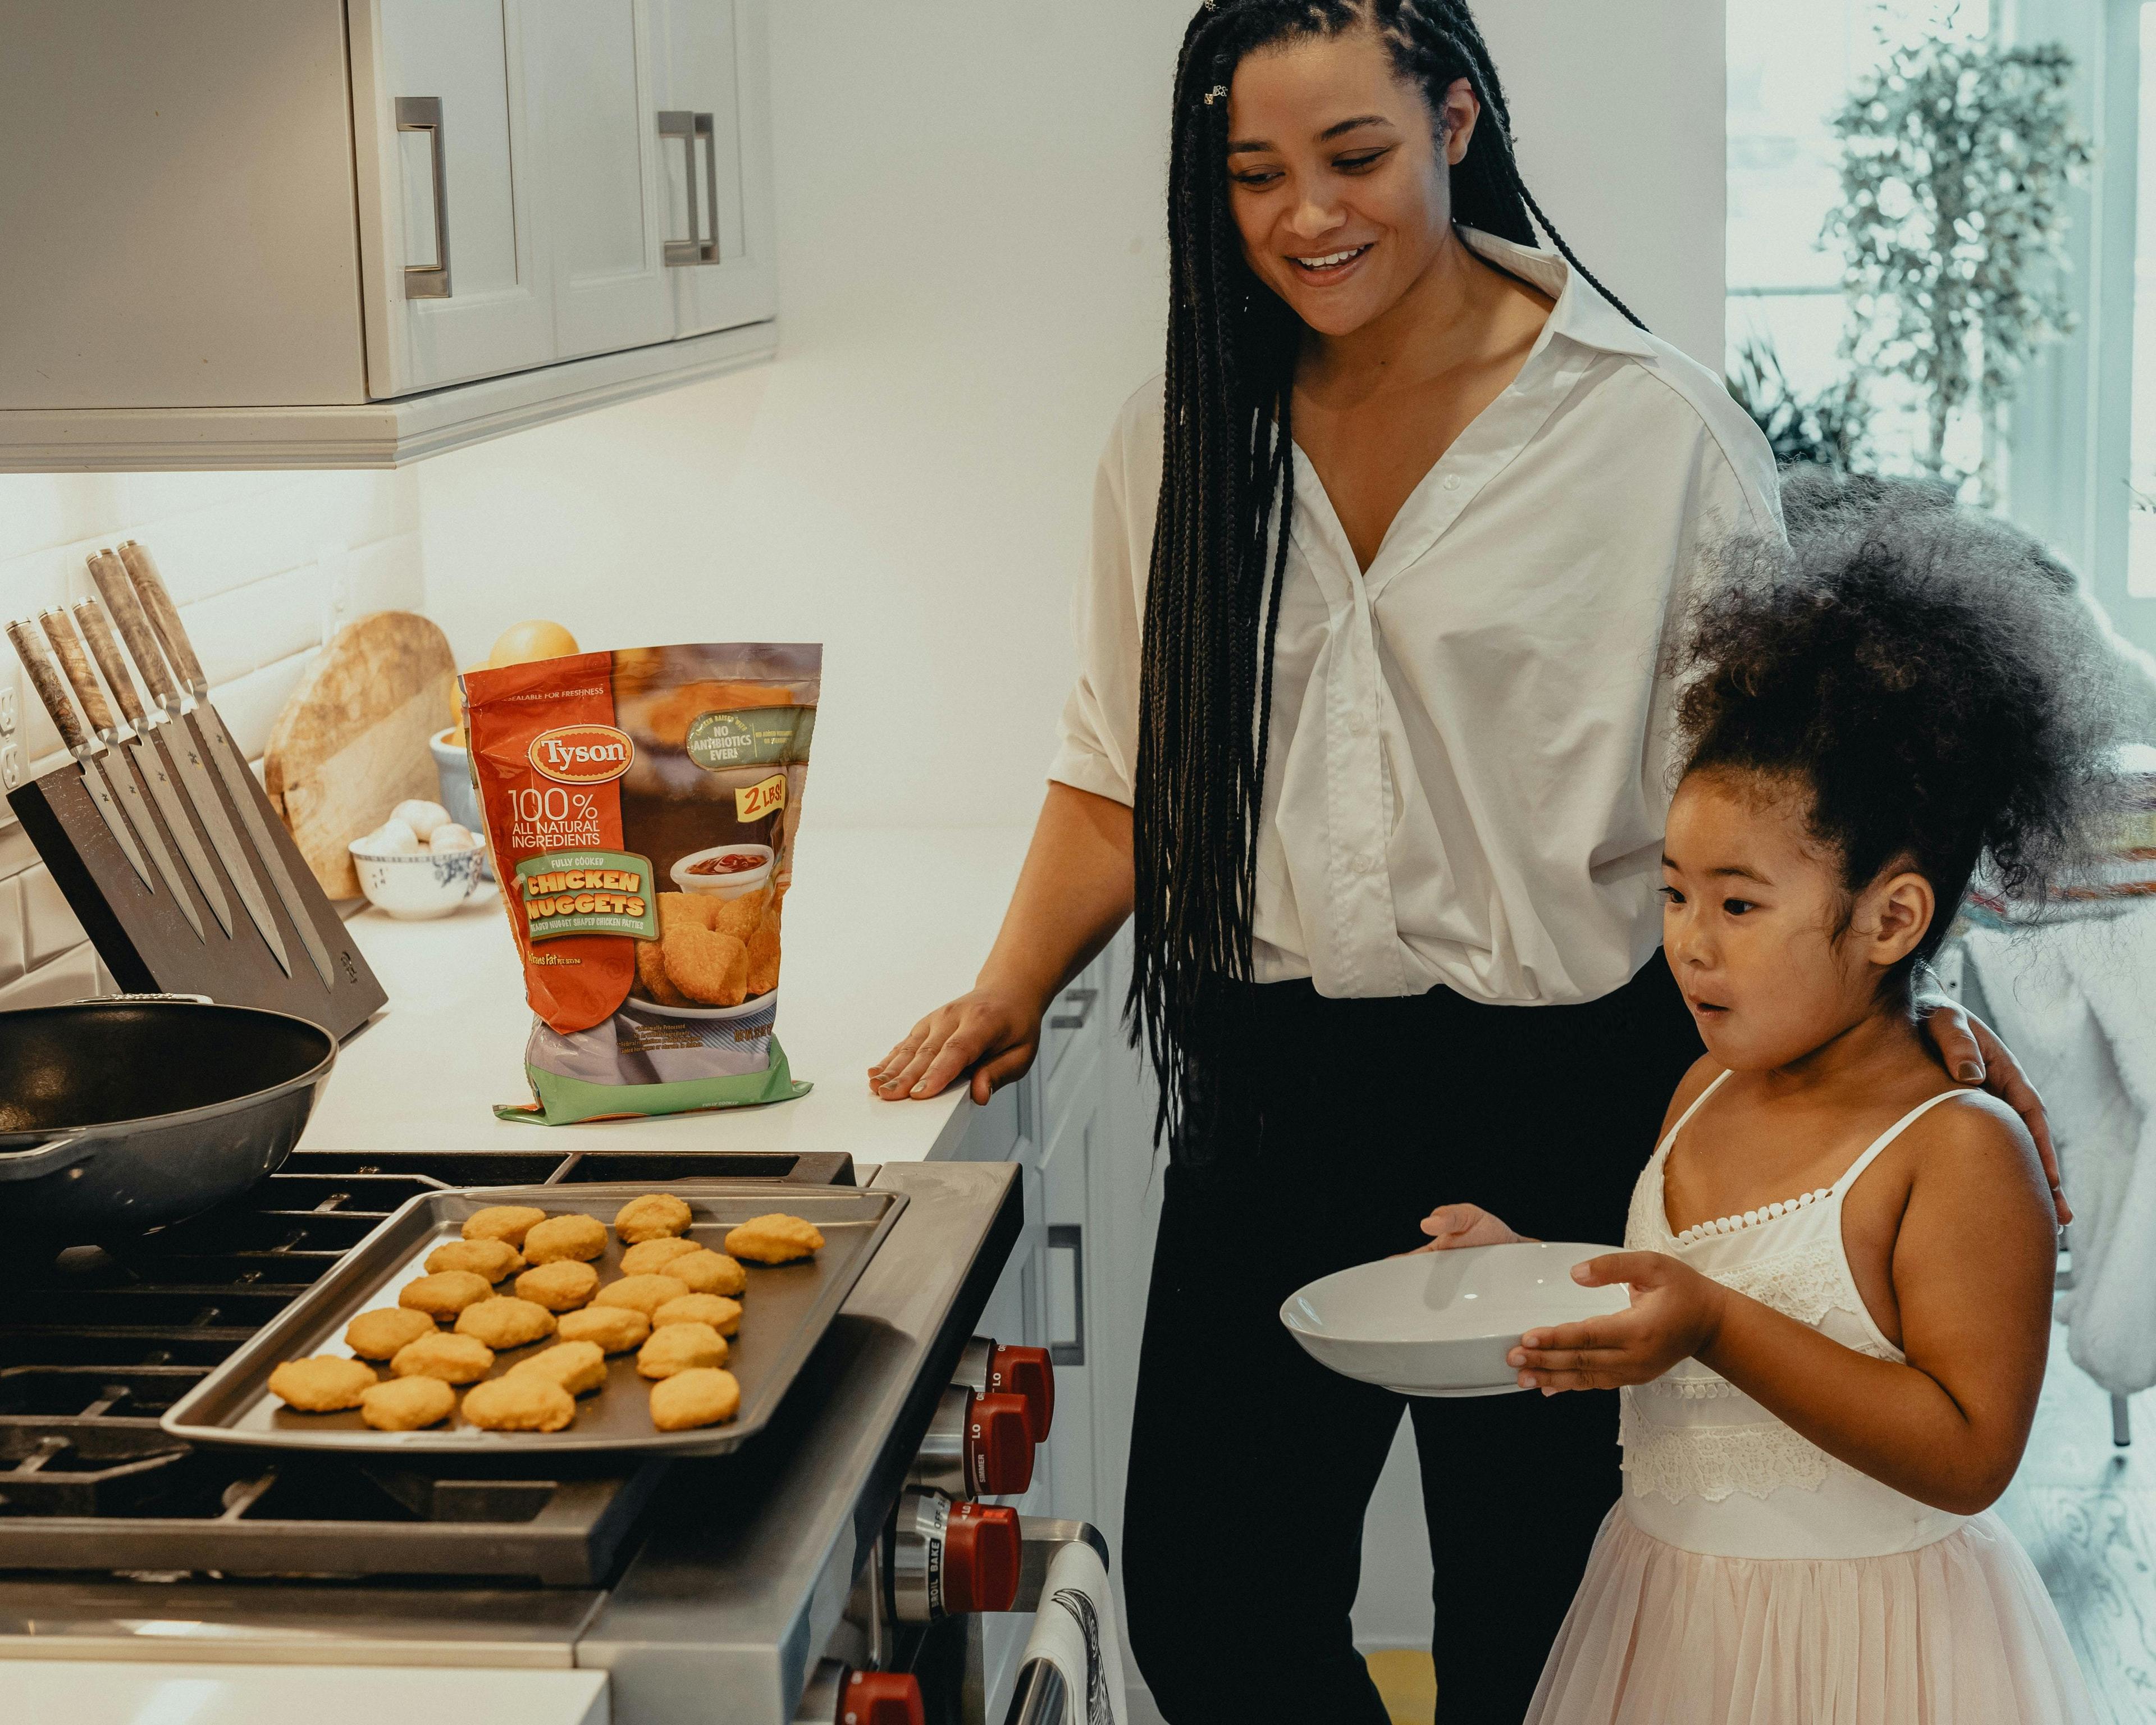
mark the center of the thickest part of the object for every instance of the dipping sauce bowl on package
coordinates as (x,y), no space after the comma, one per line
(641,806)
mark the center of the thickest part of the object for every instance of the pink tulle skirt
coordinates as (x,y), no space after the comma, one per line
(1959,1632)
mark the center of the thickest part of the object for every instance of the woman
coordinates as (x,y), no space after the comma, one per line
(1498,490)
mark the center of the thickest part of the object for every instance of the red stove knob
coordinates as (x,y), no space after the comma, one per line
(998,1446)
(1026,1373)
(881,1698)
(982,1552)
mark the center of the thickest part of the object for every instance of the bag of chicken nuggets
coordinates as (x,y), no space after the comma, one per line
(641,807)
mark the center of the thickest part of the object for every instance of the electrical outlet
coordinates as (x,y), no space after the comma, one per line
(7,708)
(11,767)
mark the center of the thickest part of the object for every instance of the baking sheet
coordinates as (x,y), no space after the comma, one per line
(785,1310)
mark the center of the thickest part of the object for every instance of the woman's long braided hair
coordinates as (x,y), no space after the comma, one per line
(1227,498)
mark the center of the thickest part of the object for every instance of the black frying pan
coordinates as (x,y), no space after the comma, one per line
(122,1114)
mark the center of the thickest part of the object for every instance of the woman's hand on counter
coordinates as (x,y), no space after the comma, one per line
(1451,1226)
(994,1032)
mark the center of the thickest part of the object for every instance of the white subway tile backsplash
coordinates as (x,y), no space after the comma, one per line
(75,976)
(249,705)
(49,927)
(387,576)
(257,625)
(13,959)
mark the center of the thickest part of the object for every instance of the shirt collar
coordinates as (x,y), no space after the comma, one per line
(1581,314)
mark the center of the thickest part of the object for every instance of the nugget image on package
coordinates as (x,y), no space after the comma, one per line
(445,1295)
(327,1384)
(721,1314)
(657,1215)
(648,1256)
(764,952)
(703,1272)
(651,975)
(376,1335)
(453,1358)
(701,1396)
(679,1347)
(506,1221)
(504,1323)
(615,1329)
(710,968)
(563,1285)
(406,1403)
(775,1239)
(519,1401)
(560,1237)
(578,1367)
(640,1293)
(493,1258)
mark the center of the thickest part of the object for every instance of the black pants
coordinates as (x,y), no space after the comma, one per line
(1341,1124)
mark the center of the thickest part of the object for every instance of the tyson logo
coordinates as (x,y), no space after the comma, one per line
(583,754)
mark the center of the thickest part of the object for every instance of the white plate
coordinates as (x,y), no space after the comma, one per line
(1441,1323)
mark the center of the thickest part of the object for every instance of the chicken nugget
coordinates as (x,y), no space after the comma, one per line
(720,1313)
(504,1323)
(563,1285)
(702,1395)
(493,1258)
(614,1328)
(377,1334)
(640,1293)
(519,1401)
(406,1403)
(685,910)
(657,1215)
(560,1237)
(651,976)
(775,1239)
(445,1294)
(678,1348)
(740,917)
(509,1222)
(646,1257)
(706,1272)
(711,969)
(763,953)
(453,1358)
(327,1384)
(578,1367)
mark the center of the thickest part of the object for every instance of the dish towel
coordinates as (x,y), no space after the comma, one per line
(2074,1001)
(1075,1630)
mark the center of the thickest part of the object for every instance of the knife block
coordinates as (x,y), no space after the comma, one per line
(144,939)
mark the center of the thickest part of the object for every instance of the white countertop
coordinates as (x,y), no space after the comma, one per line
(881,925)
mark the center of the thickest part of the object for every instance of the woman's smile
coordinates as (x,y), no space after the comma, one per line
(1325,268)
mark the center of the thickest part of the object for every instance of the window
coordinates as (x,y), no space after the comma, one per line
(2141,465)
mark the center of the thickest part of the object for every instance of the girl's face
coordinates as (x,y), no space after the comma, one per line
(1775,959)
(1337,177)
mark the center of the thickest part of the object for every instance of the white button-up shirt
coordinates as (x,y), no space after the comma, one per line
(1468,766)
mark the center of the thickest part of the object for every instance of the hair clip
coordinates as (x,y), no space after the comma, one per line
(1218,93)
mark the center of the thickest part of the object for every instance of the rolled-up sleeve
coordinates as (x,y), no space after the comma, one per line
(1098,749)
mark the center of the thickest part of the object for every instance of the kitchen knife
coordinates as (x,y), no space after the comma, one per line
(186,753)
(217,744)
(147,749)
(46,680)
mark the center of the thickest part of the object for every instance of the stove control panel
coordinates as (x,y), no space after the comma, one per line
(948,1559)
(977,1446)
(988,1369)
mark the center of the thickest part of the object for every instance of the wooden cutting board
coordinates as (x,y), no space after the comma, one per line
(352,742)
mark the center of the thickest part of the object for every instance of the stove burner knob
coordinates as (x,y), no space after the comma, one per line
(982,1552)
(1027,1374)
(881,1698)
(998,1446)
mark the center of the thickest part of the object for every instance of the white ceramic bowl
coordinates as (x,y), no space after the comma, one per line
(1441,1323)
(747,880)
(453,769)
(412,885)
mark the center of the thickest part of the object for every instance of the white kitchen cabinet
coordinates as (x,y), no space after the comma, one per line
(350,233)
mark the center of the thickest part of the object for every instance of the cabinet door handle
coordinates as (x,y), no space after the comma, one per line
(1070,1237)
(424,114)
(1083,999)
(699,247)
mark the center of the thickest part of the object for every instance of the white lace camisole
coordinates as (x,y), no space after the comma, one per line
(1707,1469)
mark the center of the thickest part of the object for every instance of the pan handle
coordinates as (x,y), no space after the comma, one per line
(28,1156)
(107,999)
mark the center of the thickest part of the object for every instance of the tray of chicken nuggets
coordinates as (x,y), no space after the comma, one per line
(491,1320)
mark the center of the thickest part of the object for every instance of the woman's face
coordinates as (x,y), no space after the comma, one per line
(1336,175)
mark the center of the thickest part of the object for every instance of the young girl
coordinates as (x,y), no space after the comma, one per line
(1840,1263)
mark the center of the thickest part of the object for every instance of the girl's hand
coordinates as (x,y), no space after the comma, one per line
(1975,1055)
(1451,1226)
(995,1033)
(1673,1314)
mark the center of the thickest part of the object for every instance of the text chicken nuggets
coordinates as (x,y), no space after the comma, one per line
(641,807)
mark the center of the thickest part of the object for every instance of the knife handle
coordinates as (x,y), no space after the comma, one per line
(89,617)
(111,575)
(67,648)
(45,678)
(164,617)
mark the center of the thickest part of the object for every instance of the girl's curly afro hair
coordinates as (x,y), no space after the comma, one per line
(1928,673)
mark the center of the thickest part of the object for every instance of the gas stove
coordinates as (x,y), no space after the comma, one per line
(850,1536)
